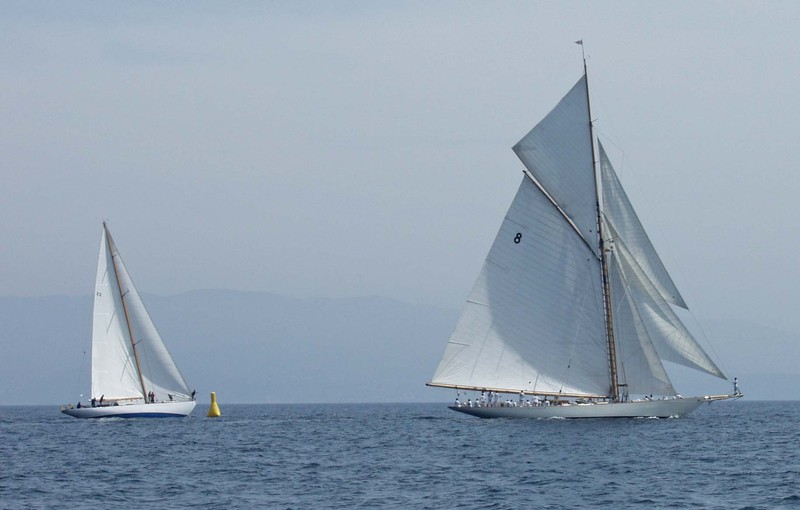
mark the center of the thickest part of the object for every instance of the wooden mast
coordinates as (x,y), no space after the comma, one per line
(612,350)
(113,252)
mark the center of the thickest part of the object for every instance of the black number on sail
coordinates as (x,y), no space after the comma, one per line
(518,237)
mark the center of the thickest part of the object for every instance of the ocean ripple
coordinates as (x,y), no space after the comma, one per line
(727,455)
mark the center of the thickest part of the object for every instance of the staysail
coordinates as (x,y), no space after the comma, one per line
(620,214)
(647,283)
(117,371)
(671,339)
(639,366)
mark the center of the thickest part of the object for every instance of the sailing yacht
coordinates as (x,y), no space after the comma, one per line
(572,309)
(133,374)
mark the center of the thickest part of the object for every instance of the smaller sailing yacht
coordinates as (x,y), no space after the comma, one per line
(133,374)
(572,308)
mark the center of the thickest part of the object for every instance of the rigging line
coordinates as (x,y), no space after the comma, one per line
(565,379)
(646,206)
(610,140)
(708,342)
(80,374)
(114,252)
(626,296)
(666,313)
(146,371)
(162,346)
(536,381)
(601,303)
(599,105)
(566,217)
(638,315)
(128,361)
(597,292)
(609,320)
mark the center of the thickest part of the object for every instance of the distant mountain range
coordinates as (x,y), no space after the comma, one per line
(260,347)
(248,347)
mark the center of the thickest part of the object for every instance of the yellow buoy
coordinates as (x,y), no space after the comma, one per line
(213,411)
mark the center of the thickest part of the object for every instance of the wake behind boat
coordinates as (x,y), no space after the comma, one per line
(133,374)
(573,305)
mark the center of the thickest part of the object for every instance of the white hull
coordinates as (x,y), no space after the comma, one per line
(157,410)
(640,409)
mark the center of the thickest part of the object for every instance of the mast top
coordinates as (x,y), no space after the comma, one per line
(583,53)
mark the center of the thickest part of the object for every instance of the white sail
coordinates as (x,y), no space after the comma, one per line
(558,153)
(133,375)
(158,369)
(671,339)
(114,374)
(638,364)
(534,320)
(620,213)
(555,311)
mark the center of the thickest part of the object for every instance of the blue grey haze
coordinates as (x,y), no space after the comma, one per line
(329,151)
(265,348)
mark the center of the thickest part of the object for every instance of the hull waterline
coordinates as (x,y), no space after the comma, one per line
(158,410)
(672,408)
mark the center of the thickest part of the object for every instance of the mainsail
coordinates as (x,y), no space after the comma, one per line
(535,320)
(127,351)
(114,373)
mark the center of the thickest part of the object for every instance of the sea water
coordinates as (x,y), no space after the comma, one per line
(726,455)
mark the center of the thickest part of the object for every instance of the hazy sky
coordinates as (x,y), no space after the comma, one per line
(360,148)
